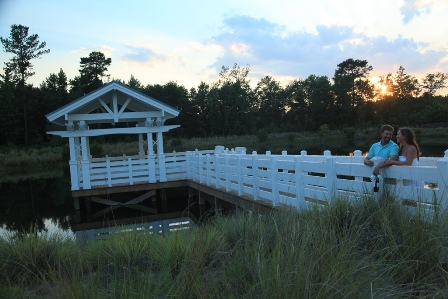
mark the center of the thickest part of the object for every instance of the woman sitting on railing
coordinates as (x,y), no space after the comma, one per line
(408,155)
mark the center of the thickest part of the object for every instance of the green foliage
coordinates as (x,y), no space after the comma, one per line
(349,132)
(262,136)
(96,150)
(324,128)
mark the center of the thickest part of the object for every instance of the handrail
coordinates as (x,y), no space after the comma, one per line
(295,180)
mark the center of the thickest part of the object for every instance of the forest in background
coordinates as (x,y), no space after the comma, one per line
(229,106)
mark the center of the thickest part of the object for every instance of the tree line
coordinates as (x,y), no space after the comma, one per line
(229,106)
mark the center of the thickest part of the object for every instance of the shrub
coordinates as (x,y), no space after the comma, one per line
(262,136)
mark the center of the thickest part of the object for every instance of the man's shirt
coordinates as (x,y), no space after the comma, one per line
(383,151)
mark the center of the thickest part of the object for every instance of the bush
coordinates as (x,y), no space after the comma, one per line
(262,136)
(96,150)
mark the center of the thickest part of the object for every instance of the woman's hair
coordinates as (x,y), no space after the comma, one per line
(410,139)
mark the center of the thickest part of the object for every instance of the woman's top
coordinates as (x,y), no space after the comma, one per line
(414,183)
(403,158)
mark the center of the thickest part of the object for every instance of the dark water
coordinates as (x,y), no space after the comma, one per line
(44,206)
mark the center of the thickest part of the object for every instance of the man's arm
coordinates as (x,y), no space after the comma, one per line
(368,162)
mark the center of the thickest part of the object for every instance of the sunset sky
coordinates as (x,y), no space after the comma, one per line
(188,41)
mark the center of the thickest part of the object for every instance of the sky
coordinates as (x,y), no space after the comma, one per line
(189,41)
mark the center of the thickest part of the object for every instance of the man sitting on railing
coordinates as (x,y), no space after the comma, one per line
(384,149)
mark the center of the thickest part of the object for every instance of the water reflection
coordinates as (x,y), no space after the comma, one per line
(157,224)
(44,206)
(35,206)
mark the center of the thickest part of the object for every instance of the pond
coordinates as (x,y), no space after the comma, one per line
(44,206)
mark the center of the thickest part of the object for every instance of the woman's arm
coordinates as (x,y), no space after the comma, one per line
(411,154)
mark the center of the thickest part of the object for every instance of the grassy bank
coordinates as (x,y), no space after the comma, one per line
(361,250)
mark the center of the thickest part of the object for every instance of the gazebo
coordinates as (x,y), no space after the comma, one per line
(113,109)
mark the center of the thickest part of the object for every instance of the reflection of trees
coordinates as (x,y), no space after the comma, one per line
(26,204)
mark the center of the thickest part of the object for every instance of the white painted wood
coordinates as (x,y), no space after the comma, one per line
(112,131)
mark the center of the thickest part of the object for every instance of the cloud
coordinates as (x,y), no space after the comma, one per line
(106,50)
(266,46)
(414,8)
(145,56)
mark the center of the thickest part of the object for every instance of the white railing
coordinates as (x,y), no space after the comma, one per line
(303,180)
(294,180)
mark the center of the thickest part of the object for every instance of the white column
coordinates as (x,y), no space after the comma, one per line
(85,163)
(73,164)
(151,160)
(161,157)
(78,155)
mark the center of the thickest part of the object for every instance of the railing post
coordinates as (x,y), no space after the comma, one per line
(227,168)
(298,174)
(357,153)
(188,165)
(240,176)
(217,171)
(255,174)
(274,183)
(209,173)
(331,175)
(108,172)
(201,168)
(131,178)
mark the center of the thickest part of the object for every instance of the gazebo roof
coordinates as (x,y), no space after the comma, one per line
(114,100)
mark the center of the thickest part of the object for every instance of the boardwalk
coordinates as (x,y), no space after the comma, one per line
(297,181)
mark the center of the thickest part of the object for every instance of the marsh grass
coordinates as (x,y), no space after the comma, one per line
(25,161)
(349,250)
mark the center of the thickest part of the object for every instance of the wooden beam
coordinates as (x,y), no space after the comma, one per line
(141,197)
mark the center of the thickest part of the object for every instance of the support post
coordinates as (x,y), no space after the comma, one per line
(151,160)
(161,157)
(74,178)
(85,163)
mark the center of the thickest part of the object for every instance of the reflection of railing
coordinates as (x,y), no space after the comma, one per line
(160,226)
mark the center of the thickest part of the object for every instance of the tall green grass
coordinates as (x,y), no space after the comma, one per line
(345,250)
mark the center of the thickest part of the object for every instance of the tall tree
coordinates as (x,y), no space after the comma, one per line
(434,82)
(135,83)
(235,98)
(404,85)
(297,105)
(351,77)
(271,102)
(25,48)
(54,91)
(9,111)
(93,70)
(200,99)
(318,94)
